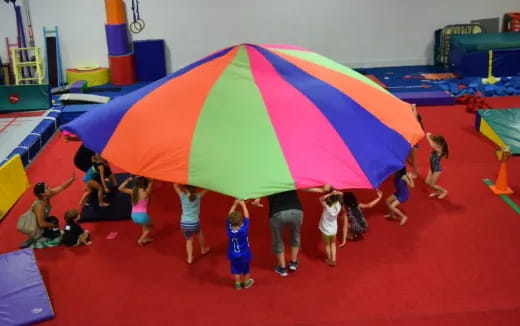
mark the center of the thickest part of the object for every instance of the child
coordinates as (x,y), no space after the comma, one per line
(440,150)
(140,197)
(239,253)
(401,181)
(331,204)
(354,223)
(190,220)
(94,173)
(413,152)
(73,234)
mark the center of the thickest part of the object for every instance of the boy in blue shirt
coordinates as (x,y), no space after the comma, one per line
(239,253)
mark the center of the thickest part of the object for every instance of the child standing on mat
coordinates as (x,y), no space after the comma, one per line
(94,173)
(355,223)
(239,253)
(140,194)
(412,157)
(73,234)
(440,150)
(190,218)
(328,226)
(401,182)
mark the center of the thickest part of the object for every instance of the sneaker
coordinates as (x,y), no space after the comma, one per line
(249,283)
(238,285)
(293,265)
(281,270)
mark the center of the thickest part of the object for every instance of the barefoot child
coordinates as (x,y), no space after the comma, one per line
(94,173)
(190,218)
(140,197)
(328,226)
(440,150)
(73,234)
(401,181)
(239,253)
(355,224)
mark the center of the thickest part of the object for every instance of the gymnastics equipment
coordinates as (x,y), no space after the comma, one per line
(511,22)
(121,59)
(491,80)
(79,86)
(83,98)
(53,54)
(150,59)
(500,187)
(426,98)
(443,39)
(19,66)
(123,69)
(115,10)
(120,205)
(25,97)
(137,24)
(13,185)
(117,39)
(502,127)
(23,296)
(469,54)
(94,76)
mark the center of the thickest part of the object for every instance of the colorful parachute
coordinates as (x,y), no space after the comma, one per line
(254,120)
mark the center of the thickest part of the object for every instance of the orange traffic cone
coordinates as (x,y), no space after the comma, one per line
(501,187)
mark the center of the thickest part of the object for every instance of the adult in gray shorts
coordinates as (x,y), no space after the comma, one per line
(285,211)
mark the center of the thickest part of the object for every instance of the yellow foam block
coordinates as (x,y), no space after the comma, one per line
(94,76)
(13,183)
(487,131)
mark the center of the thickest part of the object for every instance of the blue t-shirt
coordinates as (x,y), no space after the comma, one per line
(238,247)
(190,209)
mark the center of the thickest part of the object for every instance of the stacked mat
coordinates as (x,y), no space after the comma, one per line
(469,54)
(121,58)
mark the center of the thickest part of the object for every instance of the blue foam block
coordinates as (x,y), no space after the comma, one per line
(150,59)
(23,296)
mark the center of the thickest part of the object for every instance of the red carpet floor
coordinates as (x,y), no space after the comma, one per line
(456,261)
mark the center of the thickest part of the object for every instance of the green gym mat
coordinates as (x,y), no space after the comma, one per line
(485,42)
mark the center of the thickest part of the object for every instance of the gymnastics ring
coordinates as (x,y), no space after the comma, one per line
(137,26)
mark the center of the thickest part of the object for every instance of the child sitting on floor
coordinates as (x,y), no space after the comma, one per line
(73,234)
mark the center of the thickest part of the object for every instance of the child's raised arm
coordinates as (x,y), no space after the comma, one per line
(150,184)
(256,202)
(202,193)
(122,187)
(373,202)
(244,208)
(429,137)
(177,188)
(322,199)
(232,209)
